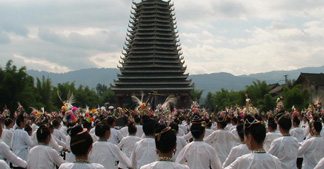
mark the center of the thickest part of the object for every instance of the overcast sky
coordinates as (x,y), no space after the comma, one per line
(235,36)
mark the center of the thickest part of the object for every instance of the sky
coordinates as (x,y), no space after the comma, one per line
(240,37)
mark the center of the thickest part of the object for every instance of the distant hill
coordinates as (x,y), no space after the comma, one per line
(207,82)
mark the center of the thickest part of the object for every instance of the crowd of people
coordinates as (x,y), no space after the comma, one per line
(193,138)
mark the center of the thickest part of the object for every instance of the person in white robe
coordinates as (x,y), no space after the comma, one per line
(3,165)
(81,145)
(271,135)
(165,140)
(222,140)
(254,135)
(297,131)
(115,135)
(9,156)
(285,147)
(139,127)
(312,149)
(199,154)
(21,141)
(7,131)
(238,150)
(181,142)
(43,156)
(127,144)
(144,150)
(106,153)
(57,132)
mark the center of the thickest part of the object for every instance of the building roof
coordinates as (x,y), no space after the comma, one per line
(152,58)
(316,79)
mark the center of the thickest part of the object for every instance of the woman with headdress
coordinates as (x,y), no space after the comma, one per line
(221,139)
(43,156)
(81,145)
(165,141)
(312,149)
(21,142)
(238,150)
(199,154)
(254,135)
(107,153)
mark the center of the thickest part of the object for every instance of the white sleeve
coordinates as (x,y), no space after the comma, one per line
(54,144)
(63,136)
(214,162)
(230,158)
(133,157)
(303,149)
(121,156)
(187,136)
(28,140)
(210,138)
(10,156)
(181,158)
(274,148)
(58,160)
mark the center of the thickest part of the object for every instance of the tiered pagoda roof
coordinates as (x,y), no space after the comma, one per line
(152,60)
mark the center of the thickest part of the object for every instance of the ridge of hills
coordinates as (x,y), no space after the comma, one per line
(208,82)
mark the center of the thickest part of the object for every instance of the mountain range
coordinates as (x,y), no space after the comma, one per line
(207,82)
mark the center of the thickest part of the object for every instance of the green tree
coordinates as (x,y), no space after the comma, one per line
(44,93)
(195,94)
(297,96)
(16,86)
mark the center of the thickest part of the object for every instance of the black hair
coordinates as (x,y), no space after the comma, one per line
(8,121)
(81,141)
(111,120)
(197,130)
(296,120)
(149,126)
(86,125)
(165,141)
(255,128)
(240,131)
(316,125)
(234,119)
(272,123)
(174,126)
(101,129)
(137,119)
(131,128)
(285,123)
(42,133)
(55,123)
(222,121)
(20,119)
(28,128)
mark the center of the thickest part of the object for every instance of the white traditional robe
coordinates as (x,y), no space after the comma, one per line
(180,132)
(236,152)
(199,155)
(164,165)
(127,145)
(107,154)
(81,166)
(270,136)
(115,136)
(285,148)
(139,131)
(43,157)
(53,142)
(320,164)
(21,143)
(222,141)
(4,165)
(69,156)
(6,153)
(256,161)
(144,153)
(181,142)
(298,133)
(124,131)
(7,135)
(312,151)
(59,135)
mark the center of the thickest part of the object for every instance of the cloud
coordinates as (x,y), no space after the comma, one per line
(4,38)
